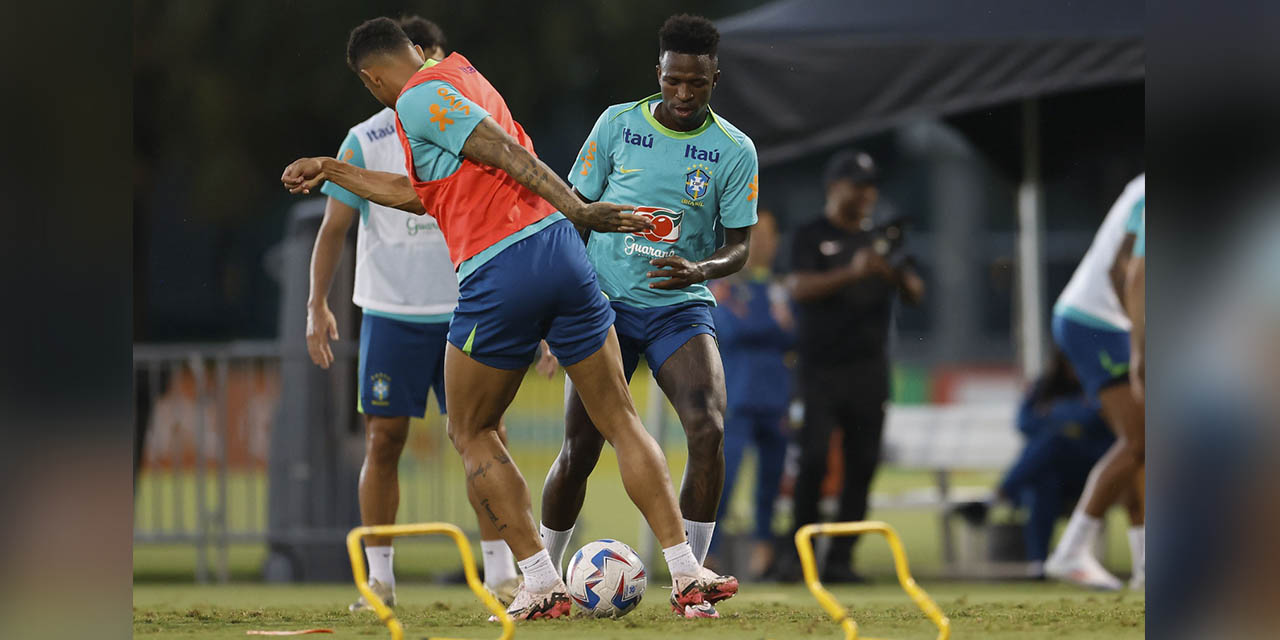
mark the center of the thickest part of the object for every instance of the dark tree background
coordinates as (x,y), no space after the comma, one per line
(227,93)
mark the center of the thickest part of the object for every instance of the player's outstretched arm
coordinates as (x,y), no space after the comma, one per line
(727,260)
(489,144)
(386,189)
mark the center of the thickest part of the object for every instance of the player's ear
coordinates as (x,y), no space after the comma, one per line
(422,56)
(715,79)
(368,78)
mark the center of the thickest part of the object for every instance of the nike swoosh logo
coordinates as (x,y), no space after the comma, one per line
(621,170)
(1116,369)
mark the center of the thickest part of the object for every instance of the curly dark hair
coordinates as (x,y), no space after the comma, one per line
(423,32)
(690,34)
(379,35)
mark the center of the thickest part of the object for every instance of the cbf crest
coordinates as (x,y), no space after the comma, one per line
(381,388)
(697,183)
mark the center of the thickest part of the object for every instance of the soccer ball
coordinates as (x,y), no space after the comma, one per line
(606,578)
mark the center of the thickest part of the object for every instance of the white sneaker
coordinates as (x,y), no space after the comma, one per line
(506,591)
(1138,582)
(386,592)
(535,606)
(693,596)
(1083,570)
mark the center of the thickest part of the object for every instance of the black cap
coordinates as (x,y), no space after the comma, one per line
(851,164)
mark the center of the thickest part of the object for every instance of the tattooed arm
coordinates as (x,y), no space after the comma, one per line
(489,144)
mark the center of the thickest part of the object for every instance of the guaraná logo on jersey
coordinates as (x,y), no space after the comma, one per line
(666,224)
(697,182)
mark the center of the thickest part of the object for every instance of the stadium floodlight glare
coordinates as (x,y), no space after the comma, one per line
(804,544)
(385,613)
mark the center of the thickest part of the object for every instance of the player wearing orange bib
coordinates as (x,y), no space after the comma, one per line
(523,276)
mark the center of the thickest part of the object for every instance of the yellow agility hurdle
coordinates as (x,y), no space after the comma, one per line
(804,544)
(385,614)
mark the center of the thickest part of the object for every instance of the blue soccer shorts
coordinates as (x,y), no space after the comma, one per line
(540,287)
(400,363)
(657,332)
(1100,355)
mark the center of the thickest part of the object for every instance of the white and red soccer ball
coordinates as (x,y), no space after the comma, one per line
(606,578)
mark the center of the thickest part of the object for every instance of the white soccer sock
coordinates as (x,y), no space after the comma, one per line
(499,564)
(556,542)
(681,561)
(1082,529)
(699,535)
(540,574)
(380,564)
(1138,549)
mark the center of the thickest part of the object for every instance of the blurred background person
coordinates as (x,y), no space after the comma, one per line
(846,275)
(1065,436)
(756,332)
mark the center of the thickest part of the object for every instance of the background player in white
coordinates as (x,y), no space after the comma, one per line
(1091,326)
(406,286)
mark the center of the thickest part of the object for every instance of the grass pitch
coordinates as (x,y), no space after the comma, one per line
(977,610)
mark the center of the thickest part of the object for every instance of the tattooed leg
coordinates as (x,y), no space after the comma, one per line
(478,396)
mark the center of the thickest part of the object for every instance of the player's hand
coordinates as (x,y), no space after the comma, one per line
(547,362)
(303,175)
(321,328)
(867,262)
(609,218)
(679,273)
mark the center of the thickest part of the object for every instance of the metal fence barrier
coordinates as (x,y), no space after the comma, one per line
(206,411)
(212,415)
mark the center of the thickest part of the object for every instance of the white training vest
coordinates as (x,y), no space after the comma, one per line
(402,262)
(1090,291)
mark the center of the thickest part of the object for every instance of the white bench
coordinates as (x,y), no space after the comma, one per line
(944,439)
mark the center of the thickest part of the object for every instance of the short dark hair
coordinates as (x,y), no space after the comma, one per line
(379,35)
(690,34)
(851,164)
(423,32)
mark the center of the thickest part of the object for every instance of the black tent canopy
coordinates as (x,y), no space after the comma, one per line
(804,75)
(801,75)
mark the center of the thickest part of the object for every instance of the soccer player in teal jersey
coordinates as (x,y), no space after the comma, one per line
(690,171)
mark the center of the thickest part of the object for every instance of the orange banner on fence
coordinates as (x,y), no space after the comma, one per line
(184,414)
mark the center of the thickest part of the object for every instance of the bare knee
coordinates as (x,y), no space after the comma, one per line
(1132,450)
(702,415)
(579,455)
(466,438)
(385,439)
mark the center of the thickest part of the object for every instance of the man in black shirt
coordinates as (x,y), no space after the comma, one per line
(845,273)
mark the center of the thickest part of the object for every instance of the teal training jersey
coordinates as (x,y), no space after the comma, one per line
(686,182)
(1137,225)
(351,153)
(429,124)
(1140,242)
